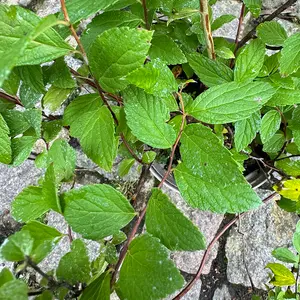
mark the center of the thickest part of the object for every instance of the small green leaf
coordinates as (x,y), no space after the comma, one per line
(6,276)
(99,289)
(275,143)
(254,6)
(245,131)
(163,47)
(230,102)
(96,211)
(14,290)
(11,84)
(21,149)
(209,178)
(125,166)
(166,222)
(147,272)
(119,238)
(282,275)
(148,157)
(285,255)
(110,62)
(211,72)
(290,55)
(284,96)
(271,33)
(220,21)
(55,97)
(75,266)
(249,61)
(296,241)
(51,129)
(5,143)
(270,123)
(224,52)
(146,117)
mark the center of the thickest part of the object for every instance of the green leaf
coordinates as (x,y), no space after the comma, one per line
(32,76)
(290,55)
(275,143)
(146,117)
(99,289)
(14,290)
(44,237)
(284,96)
(11,84)
(270,123)
(296,241)
(45,295)
(166,222)
(105,21)
(224,52)
(288,166)
(148,157)
(147,272)
(211,72)
(75,266)
(21,149)
(119,238)
(93,124)
(245,131)
(249,61)
(220,21)
(96,211)
(28,97)
(5,276)
(82,9)
(254,6)
(55,97)
(5,143)
(271,33)
(209,178)
(51,129)
(163,47)
(285,255)
(110,62)
(282,275)
(230,102)
(125,166)
(44,43)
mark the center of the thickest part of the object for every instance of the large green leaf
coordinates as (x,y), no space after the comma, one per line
(166,222)
(282,275)
(245,131)
(290,55)
(147,272)
(105,21)
(14,290)
(5,149)
(271,33)
(284,96)
(210,72)
(93,124)
(230,102)
(32,76)
(288,166)
(249,61)
(97,211)
(164,48)
(17,22)
(270,123)
(209,178)
(110,62)
(75,266)
(146,116)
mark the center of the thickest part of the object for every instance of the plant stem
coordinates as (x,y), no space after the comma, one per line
(278,11)
(207,29)
(289,156)
(13,99)
(209,248)
(145,14)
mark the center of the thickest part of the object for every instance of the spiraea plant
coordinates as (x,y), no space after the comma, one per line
(155,85)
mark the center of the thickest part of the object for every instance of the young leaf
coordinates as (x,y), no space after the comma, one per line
(21,149)
(270,123)
(5,148)
(5,276)
(275,143)
(117,52)
(245,131)
(14,290)
(254,6)
(93,124)
(99,289)
(146,116)
(230,102)
(166,222)
(290,189)
(285,255)
(96,211)
(164,48)
(148,157)
(249,61)
(282,275)
(220,21)
(209,178)
(271,33)
(211,72)
(55,97)
(290,55)
(75,266)
(125,166)
(147,272)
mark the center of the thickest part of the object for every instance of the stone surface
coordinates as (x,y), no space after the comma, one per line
(222,293)
(249,245)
